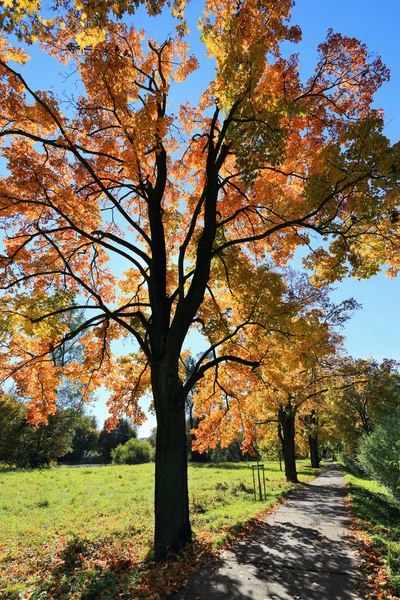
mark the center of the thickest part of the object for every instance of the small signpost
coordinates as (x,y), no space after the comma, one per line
(259,481)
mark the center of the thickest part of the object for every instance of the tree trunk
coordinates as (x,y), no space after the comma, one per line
(365,421)
(172,525)
(314,450)
(312,425)
(280,459)
(286,432)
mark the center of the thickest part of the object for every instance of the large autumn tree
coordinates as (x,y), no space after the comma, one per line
(189,203)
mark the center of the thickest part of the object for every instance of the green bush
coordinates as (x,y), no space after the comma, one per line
(109,440)
(379,454)
(134,452)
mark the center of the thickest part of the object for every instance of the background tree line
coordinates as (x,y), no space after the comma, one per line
(70,437)
(343,408)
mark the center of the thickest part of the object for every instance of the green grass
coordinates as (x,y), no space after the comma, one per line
(84,533)
(379,516)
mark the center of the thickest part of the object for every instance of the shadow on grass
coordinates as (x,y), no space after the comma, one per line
(380,518)
(377,509)
(93,570)
(107,569)
(308,470)
(11,469)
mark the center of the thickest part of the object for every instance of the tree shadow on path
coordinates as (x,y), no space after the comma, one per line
(299,552)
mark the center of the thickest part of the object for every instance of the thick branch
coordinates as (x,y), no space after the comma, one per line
(213,363)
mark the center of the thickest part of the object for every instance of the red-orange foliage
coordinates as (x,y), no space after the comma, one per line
(190,203)
(296,370)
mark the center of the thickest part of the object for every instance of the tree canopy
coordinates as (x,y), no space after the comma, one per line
(193,204)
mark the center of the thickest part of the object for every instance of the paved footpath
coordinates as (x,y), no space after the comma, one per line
(300,552)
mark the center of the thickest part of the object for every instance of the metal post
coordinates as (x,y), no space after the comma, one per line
(265,491)
(261,481)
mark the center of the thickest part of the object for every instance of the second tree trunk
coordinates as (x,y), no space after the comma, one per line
(286,432)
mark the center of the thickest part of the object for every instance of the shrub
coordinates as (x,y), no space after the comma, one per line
(134,452)
(379,454)
(109,440)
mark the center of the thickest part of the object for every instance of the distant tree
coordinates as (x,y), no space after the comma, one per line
(11,426)
(25,445)
(84,440)
(270,445)
(45,444)
(370,393)
(134,452)
(152,437)
(72,393)
(110,439)
(231,453)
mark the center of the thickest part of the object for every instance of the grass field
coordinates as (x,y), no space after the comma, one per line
(85,533)
(379,516)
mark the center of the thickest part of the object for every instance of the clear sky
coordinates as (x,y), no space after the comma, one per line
(374,330)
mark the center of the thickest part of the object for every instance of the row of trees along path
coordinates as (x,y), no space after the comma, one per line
(194,203)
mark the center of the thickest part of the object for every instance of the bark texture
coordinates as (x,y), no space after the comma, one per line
(314,451)
(286,431)
(172,525)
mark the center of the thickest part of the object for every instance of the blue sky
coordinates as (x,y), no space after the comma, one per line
(375,330)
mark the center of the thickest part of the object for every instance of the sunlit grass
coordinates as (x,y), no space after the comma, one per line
(61,529)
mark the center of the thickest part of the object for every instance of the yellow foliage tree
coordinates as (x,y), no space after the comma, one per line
(190,203)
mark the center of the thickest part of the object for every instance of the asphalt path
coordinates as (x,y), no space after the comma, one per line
(300,552)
